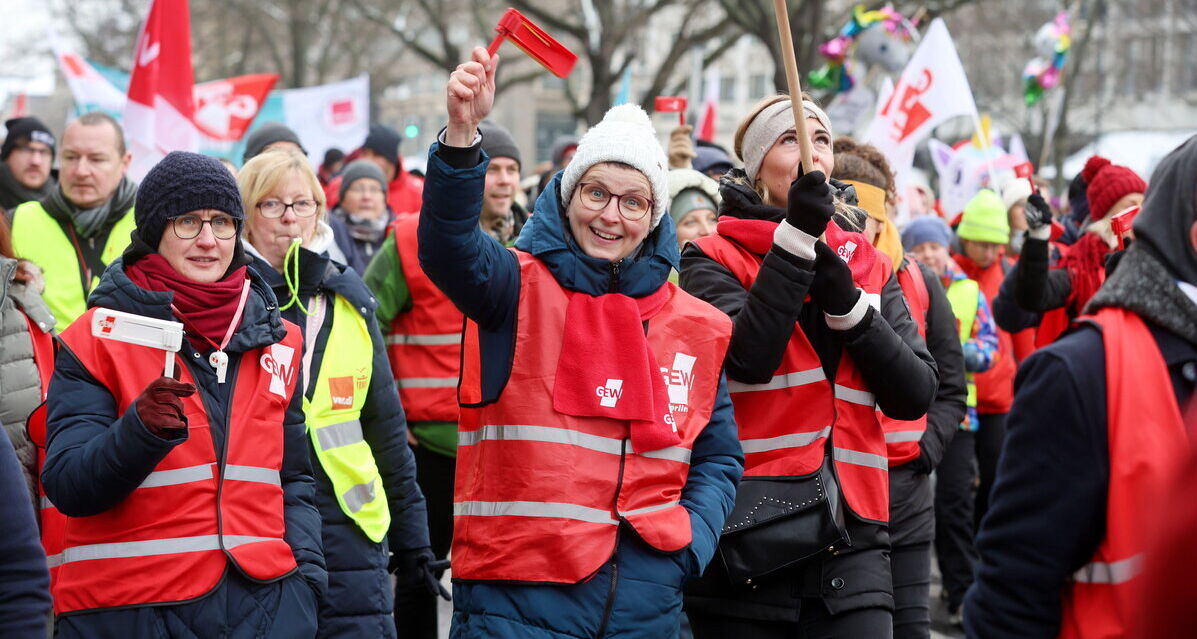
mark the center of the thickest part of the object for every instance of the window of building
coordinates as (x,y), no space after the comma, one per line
(758,86)
(549,127)
(727,88)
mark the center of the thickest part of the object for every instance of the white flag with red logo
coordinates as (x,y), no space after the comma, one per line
(160,109)
(933,88)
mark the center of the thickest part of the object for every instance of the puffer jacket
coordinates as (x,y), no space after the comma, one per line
(358,601)
(95,457)
(638,591)
(20,384)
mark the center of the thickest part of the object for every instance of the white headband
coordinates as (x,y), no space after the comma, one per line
(771,123)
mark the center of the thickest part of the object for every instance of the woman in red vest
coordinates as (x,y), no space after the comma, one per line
(1096,439)
(822,339)
(188,496)
(596,456)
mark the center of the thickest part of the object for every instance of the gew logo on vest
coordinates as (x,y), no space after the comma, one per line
(277,362)
(340,390)
(609,395)
(678,381)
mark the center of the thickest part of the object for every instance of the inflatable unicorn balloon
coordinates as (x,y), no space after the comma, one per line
(964,169)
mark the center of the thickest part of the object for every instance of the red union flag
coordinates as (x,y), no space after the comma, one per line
(225,108)
(671,104)
(533,40)
(160,111)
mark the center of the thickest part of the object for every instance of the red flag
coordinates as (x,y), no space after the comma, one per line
(671,104)
(159,114)
(225,108)
(706,128)
(1121,224)
(18,107)
(1027,170)
(533,41)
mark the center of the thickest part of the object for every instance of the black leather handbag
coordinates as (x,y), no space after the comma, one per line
(779,522)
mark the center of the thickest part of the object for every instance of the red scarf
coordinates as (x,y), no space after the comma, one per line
(206,309)
(607,368)
(757,237)
(1086,264)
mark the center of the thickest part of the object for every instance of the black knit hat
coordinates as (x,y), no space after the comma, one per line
(384,141)
(266,135)
(26,129)
(497,141)
(183,182)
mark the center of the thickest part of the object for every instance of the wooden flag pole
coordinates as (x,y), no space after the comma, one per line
(787,54)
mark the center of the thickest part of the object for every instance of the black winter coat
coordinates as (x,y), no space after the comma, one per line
(890,355)
(358,601)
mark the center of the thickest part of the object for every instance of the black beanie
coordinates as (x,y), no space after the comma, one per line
(266,135)
(497,142)
(384,141)
(180,183)
(28,129)
(361,170)
(332,156)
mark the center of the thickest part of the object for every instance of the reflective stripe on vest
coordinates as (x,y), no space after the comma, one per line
(334,414)
(1148,449)
(533,492)
(784,424)
(964,300)
(902,436)
(38,237)
(172,538)
(424,342)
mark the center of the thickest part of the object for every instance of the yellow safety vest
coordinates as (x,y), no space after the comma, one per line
(962,296)
(334,419)
(39,238)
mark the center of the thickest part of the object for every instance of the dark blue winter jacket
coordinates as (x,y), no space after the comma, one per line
(358,601)
(96,456)
(24,579)
(638,591)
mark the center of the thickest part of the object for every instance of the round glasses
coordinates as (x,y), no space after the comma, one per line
(188,226)
(276,208)
(632,207)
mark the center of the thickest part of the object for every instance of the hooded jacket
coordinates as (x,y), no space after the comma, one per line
(638,591)
(358,601)
(96,456)
(1033,540)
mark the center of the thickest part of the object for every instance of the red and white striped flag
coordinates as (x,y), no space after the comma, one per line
(706,130)
(159,114)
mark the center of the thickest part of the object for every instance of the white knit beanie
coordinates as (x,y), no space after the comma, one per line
(625,135)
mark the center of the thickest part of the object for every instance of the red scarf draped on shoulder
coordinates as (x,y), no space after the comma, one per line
(607,368)
(206,308)
(1086,264)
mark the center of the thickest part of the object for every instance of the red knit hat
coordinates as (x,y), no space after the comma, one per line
(1108,183)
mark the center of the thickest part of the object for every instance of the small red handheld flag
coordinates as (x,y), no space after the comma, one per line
(532,40)
(1121,224)
(671,104)
(1027,170)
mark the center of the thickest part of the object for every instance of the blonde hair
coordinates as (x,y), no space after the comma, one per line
(264,173)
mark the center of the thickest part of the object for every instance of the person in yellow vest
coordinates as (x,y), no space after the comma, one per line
(188,493)
(365,473)
(596,448)
(84,224)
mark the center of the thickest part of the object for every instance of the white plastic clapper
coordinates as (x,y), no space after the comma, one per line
(140,330)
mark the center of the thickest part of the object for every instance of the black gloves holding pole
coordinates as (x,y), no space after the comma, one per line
(810,208)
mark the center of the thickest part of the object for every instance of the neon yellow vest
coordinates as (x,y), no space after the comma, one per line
(334,421)
(962,296)
(37,237)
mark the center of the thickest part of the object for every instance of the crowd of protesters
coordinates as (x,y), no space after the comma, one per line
(660,393)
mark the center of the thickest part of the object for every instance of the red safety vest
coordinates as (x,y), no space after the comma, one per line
(172,538)
(51,522)
(785,422)
(995,387)
(1148,447)
(539,496)
(425,342)
(902,437)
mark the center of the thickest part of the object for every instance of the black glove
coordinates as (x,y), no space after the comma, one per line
(1037,212)
(832,287)
(160,407)
(811,204)
(420,566)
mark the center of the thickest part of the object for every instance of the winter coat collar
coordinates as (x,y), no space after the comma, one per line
(547,237)
(261,324)
(1142,284)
